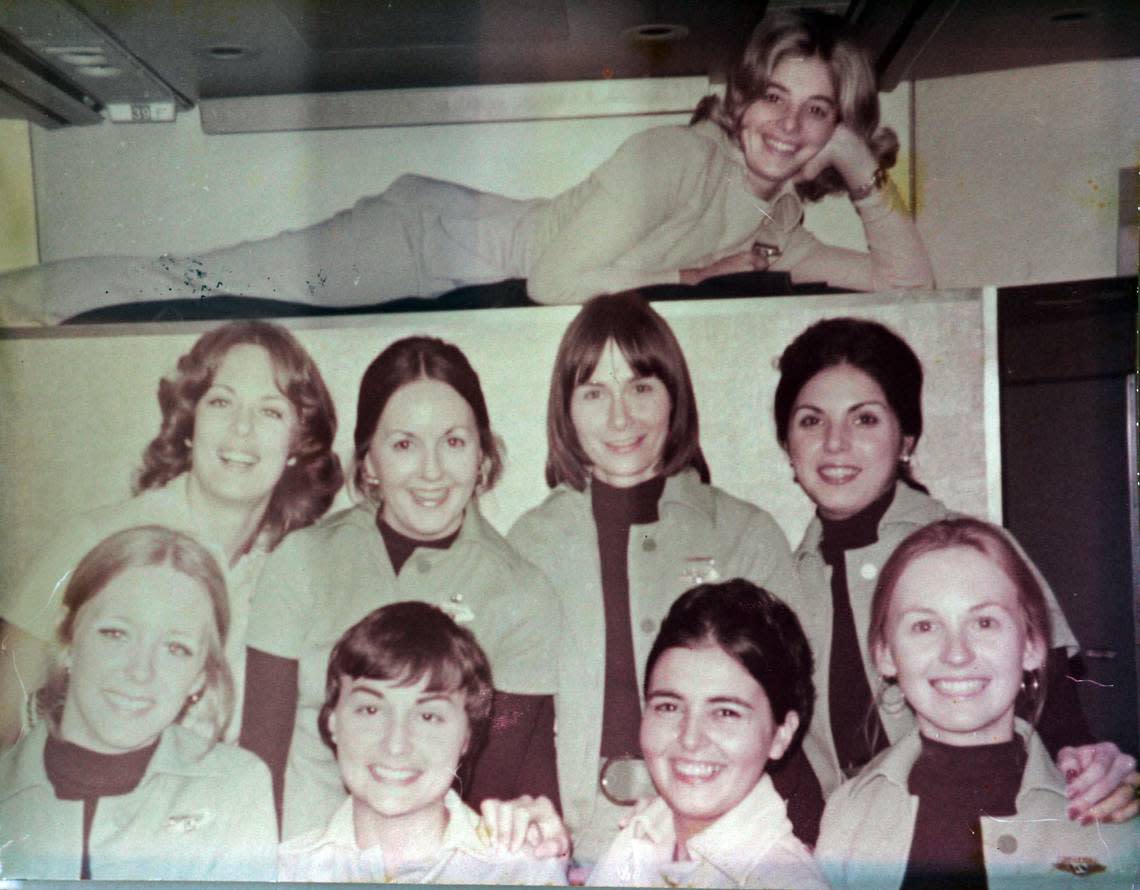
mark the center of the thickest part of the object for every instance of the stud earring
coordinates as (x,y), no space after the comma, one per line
(904,460)
(194,698)
(186,441)
(292,461)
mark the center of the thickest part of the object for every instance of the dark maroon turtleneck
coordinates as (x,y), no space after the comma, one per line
(616,510)
(78,773)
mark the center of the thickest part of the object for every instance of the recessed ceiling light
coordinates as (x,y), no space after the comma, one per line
(655,33)
(98,70)
(227,52)
(1069,15)
(83,57)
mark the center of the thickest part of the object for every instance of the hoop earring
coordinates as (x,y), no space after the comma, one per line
(1031,684)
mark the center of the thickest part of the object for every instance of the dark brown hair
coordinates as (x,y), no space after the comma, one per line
(875,350)
(307,486)
(756,629)
(648,345)
(404,642)
(409,360)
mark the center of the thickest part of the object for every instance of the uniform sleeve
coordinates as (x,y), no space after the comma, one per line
(896,258)
(629,196)
(771,564)
(247,848)
(278,615)
(35,603)
(831,850)
(519,757)
(522,655)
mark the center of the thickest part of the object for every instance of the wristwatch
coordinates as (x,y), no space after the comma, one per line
(877,182)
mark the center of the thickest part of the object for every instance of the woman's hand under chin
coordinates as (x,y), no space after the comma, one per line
(1101,782)
(848,153)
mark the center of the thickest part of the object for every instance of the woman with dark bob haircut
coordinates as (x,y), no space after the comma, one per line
(424,451)
(243,457)
(848,411)
(673,204)
(728,691)
(632,522)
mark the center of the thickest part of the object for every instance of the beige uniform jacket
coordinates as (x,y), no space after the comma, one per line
(198,814)
(702,534)
(868,828)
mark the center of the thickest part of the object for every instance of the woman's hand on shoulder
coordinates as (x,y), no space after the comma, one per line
(1101,782)
(530,824)
(848,153)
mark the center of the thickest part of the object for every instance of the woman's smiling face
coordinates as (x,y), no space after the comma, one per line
(425,453)
(621,420)
(398,746)
(707,733)
(244,428)
(957,641)
(138,653)
(789,124)
(844,441)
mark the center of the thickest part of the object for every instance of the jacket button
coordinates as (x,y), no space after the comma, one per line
(868,571)
(423,564)
(648,625)
(648,545)
(1007,843)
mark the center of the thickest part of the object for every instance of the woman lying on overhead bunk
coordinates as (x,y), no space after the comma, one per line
(675,204)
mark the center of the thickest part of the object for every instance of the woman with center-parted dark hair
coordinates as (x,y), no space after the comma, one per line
(423,452)
(631,523)
(243,457)
(110,784)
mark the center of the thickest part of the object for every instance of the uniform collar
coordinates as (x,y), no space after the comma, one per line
(759,820)
(684,489)
(180,752)
(894,764)
(908,507)
(465,831)
(476,531)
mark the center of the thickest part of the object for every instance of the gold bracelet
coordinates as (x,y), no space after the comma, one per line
(877,182)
